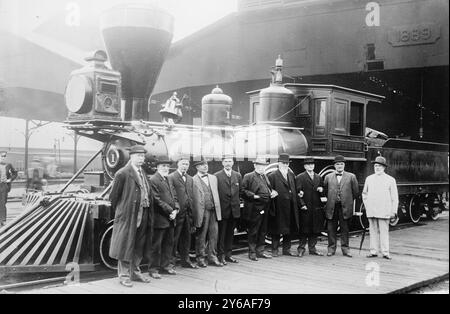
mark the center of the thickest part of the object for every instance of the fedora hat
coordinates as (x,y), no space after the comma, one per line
(338,159)
(284,158)
(163,161)
(137,149)
(200,162)
(228,156)
(309,161)
(261,161)
(380,160)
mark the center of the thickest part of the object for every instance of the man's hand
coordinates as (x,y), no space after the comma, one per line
(173,215)
(256,197)
(8,181)
(304,207)
(320,189)
(301,194)
(273,194)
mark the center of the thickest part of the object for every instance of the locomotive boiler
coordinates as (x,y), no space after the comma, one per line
(111,104)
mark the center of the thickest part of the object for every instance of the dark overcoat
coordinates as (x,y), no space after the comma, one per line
(285,218)
(230,190)
(184,192)
(165,201)
(349,192)
(252,185)
(312,219)
(125,200)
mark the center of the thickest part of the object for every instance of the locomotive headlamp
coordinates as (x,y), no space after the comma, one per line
(94,92)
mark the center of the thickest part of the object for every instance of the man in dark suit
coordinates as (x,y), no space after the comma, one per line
(207,215)
(166,211)
(230,189)
(284,219)
(341,188)
(7,175)
(132,202)
(184,188)
(310,188)
(258,194)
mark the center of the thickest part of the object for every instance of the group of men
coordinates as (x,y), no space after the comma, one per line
(155,218)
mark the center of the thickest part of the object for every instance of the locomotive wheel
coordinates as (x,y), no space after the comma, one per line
(105,243)
(415,210)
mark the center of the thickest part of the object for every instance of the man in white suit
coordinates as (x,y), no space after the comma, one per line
(206,215)
(380,198)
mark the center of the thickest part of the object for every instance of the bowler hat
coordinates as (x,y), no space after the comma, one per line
(380,160)
(338,159)
(284,158)
(163,161)
(261,161)
(228,156)
(200,162)
(308,161)
(137,149)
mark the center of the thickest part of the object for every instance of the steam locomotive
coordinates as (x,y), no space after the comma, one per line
(110,105)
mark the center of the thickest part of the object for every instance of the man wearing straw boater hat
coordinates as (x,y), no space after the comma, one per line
(132,202)
(230,190)
(310,188)
(206,216)
(341,188)
(166,211)
(258,195)
(380,197)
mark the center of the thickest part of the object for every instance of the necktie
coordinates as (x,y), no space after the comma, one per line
(338,174)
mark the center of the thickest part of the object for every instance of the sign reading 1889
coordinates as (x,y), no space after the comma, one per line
(419,34)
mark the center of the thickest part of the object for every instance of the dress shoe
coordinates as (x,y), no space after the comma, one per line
(155,275)
(202,264)
(331,253)
(253,258)
(216,263)
(189,265)
(231,260)
(316,253)
(169,271)
(264,255)
(275,254)
(300,253)
(370,255)
(222,260)
(388,257)
(141,278)
(126,283)
(287,253)
(347,254)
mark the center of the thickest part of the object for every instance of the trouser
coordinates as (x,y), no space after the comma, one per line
(257,232)
(226,234)
(207,233)
(162,248)
(286,242)
(3,200)
(182,240)
(332,225)
(379,235)
(311,239)
(129,269)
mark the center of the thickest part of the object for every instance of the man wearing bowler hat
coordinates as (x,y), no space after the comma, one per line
(230,190)
(207,215)
(380,197)
(284,219)
(166,211)
(184,188)
(132,201)
(341,188)
(310,188)
(258,194)
(7,175)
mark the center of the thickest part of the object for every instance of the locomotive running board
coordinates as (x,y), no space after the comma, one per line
(48,237)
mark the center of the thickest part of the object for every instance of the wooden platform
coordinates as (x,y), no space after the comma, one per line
(420,253)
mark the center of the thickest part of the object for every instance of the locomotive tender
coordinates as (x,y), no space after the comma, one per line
(111,106)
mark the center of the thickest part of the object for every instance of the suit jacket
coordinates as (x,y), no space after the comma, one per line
(11,174)
(125,197)
(285,204)
(165,200)
(199,200)
(349,192)
(311,219)
(252,185)
(230,190)
(184,192)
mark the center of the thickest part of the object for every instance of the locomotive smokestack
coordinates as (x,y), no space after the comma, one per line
(137,38)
